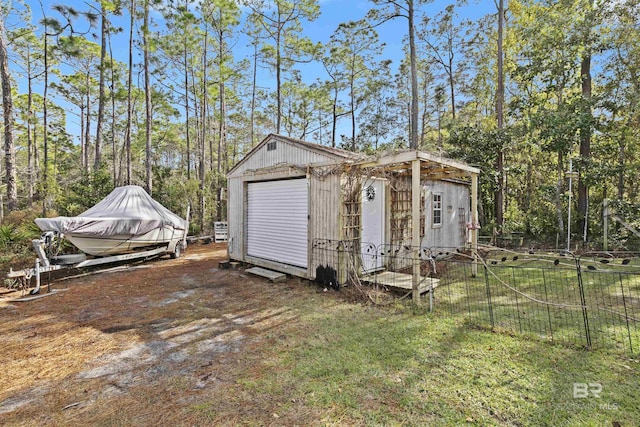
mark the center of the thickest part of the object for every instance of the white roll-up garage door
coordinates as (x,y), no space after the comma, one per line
(277,221)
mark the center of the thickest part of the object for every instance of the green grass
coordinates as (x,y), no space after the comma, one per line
(404,366)
(370,366)
(540,299)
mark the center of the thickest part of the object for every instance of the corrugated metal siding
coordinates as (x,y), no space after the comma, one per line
(284,154)
(277,221)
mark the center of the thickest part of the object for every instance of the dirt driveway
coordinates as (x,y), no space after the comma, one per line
(147,345)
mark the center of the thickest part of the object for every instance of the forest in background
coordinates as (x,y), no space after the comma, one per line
(525,91)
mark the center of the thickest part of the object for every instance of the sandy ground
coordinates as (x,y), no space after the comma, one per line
(145,345)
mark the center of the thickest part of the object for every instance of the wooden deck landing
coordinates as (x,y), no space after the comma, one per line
(400,281)
(273,276)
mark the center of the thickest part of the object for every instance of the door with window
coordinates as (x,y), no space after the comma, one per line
(372,237)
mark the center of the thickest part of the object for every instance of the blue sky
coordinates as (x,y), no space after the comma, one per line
(333,12)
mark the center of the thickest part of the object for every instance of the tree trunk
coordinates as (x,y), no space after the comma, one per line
(621,167)
(7,105)
(320,127)
(36,157)
(528,192)
(186,110)
(147,98)
(278,85)
(127,136)
(103,63)
(113,115)
(83,124)
(499,193)
(45,131)
(204,131)
(87,129)
(423,122)
(222,131)
(199,150)
(585,144)
(30,136)
(559,191)
(253,94)
(352,105)
(452,84)
(413,131)
(334,125)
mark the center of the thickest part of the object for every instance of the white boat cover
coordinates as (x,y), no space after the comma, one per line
(127,210)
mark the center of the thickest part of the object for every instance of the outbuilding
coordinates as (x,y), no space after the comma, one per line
(286,197)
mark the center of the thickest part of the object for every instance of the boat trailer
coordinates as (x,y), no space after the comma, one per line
(48,262)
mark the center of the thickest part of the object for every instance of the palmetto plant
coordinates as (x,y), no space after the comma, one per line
(10,235)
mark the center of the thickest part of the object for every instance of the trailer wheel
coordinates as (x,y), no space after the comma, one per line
(67,259)
(177,251)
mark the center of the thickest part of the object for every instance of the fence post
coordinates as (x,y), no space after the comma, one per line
(341,267)
(546,300)
(513,283)
(430,295)
(475,224)
(626,315)
(583,302)
(486,279)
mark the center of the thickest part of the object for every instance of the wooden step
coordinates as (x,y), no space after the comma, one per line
(273,276)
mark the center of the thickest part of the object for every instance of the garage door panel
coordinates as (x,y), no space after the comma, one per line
(277,221)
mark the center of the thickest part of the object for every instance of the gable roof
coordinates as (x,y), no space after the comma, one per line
(336,154)
(431,166)
(323,148)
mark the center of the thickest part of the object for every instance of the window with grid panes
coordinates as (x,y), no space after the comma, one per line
(437,210)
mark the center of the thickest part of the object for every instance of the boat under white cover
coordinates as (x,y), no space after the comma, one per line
(127,219)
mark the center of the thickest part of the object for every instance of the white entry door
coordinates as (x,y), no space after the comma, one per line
(373,204)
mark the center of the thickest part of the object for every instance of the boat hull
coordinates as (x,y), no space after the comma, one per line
(120,244)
